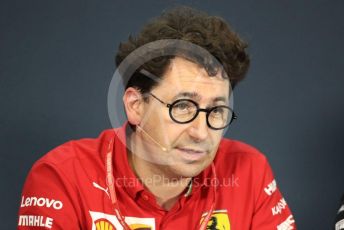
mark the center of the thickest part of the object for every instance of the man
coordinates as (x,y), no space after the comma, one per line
(168,167)
(339,222)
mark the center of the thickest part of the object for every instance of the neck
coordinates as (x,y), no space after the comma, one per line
(165,186)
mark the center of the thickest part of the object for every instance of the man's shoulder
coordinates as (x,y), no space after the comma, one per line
(236,153)
(235,148)
(79,150)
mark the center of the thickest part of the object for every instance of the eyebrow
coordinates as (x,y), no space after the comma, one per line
(196,96)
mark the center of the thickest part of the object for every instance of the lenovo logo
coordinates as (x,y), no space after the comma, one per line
(40,202)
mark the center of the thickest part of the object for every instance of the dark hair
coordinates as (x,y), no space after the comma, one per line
(184,23)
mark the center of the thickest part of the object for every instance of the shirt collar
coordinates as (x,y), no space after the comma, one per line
(124,175)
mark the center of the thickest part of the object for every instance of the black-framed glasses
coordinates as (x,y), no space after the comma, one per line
(183,111)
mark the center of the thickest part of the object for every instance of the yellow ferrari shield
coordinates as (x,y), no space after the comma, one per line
(219,220)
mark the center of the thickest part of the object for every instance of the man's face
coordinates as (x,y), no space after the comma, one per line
(190,147)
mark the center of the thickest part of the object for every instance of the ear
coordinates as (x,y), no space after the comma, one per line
(134,105)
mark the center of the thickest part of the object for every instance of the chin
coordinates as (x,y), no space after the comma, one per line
(189,169)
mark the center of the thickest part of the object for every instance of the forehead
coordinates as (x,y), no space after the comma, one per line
(185,76)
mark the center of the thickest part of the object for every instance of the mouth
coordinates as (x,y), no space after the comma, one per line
(190,154)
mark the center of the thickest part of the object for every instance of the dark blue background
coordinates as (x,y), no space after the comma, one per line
(57,59)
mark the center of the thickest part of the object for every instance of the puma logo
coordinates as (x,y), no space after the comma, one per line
(101,188)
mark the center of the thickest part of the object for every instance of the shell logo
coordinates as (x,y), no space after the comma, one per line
(104,224)
(140,227)
(103,221)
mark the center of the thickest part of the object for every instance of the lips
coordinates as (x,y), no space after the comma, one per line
(190,150)
(191,154)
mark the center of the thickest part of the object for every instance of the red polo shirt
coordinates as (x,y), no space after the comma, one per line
(66,189)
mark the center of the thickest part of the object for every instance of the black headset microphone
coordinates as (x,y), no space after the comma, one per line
(151,138)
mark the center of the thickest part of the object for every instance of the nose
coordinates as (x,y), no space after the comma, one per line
(198,129)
